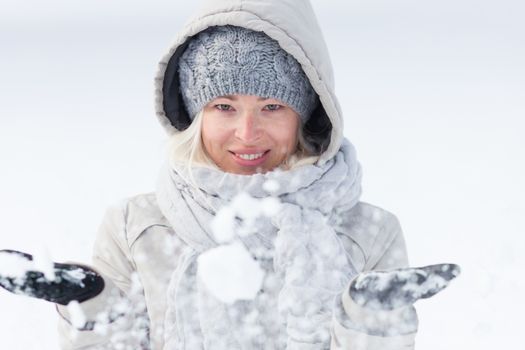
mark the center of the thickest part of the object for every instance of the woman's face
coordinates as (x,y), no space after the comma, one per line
(246,134)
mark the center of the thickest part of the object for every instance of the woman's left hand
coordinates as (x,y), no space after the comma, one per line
(388,290)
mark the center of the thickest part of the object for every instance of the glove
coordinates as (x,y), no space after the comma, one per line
(72,281)
(388,290)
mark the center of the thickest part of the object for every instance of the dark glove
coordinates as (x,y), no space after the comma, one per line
(72,281)
(388,290)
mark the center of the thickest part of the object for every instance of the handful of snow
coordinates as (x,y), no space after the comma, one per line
(230,273)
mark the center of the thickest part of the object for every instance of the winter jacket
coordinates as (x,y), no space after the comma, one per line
(135,239)
(136,243)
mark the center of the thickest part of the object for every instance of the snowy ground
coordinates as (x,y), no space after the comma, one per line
(434,100)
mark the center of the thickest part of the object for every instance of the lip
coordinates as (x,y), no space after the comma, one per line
(250,163)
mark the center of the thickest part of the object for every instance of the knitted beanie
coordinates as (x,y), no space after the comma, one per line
(230,60)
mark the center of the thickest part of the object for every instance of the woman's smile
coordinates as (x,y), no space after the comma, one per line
(250,159)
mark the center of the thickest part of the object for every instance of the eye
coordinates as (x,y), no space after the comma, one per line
(273,107)
(223,107)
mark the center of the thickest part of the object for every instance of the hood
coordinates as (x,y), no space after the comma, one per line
(293,24)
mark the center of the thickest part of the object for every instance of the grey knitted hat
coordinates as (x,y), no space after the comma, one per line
(230,60)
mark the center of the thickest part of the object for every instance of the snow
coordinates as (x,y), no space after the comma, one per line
(12,265)
(271,186)
(270,206)
(76,315)
(44,264)
(247,209)
(223,225)
(75,276)
(435,112)
(230,273)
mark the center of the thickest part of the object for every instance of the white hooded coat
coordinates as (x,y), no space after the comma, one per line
(136,248)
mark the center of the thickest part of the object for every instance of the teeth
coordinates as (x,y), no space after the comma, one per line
(250,156)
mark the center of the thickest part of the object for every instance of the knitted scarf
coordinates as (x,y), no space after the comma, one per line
(299,249)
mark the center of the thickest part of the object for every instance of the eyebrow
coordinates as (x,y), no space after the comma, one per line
(234,98)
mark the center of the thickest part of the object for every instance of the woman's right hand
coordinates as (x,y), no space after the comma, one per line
(71,282)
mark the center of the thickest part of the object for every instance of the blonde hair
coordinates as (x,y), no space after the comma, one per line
(186,147)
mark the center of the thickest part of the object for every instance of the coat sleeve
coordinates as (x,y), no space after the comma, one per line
(357,328)
(116,317)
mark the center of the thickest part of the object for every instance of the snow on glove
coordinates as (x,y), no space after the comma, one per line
(19,275)
(388,290)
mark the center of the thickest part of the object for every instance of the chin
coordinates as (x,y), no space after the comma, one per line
(245,170)
(250,171)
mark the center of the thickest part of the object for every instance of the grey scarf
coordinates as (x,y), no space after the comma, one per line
(305,263)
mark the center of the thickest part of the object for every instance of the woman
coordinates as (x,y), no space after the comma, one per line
(247,95)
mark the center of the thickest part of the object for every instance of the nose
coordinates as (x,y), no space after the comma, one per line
(247,127)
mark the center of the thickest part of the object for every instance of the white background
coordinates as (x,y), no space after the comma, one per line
(433,95)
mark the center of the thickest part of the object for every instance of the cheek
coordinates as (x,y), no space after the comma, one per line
(212,134)
(284,142)
(287,134)
(285,137)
